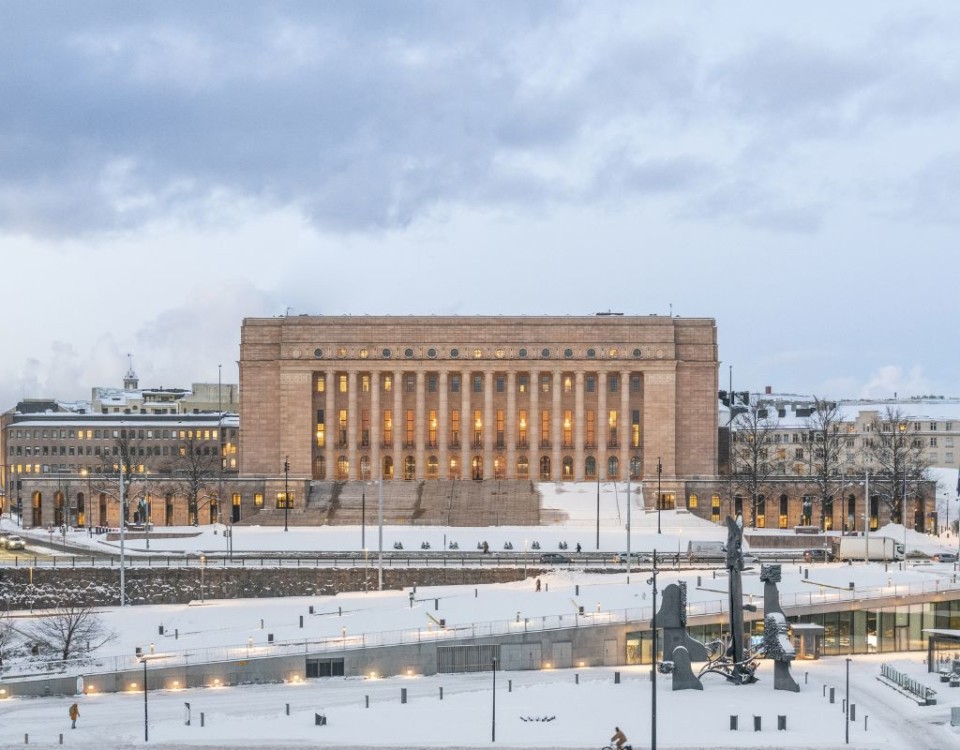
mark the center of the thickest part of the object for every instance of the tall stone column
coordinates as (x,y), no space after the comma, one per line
(489,426)
(399,425)
(466,426)
(624,424)
(443,429)
(603,429)
(556,440)
(510,428)
(332,428)
(376,422)
(659,420)
(420,425)
(533,426)
(353,417)
(578,424)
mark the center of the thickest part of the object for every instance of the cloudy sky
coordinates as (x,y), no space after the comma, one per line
(792,170)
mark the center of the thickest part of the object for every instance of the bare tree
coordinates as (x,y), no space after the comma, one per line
(7,634)
(897,461)
(753,459)
(825,445)
(193,474)
(70,631)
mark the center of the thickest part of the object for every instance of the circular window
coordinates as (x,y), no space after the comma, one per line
(614,352)
(408,353)
(364,354)
(591,353)
(431,353)
(568,353)
(523,353)
(386,353)
(296,353)
(637,353)
(454,353)
(500,353)
(318,353)
(477,353)
(544,353)
(342,352)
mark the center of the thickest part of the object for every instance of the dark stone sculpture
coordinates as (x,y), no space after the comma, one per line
(678,645)
(776,642)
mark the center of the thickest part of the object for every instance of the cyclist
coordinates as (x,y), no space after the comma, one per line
(619,738)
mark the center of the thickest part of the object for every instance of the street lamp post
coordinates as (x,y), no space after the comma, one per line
(847,701)
(203,562)
(659,500)
(493,726)
(867,517)
(286,492)
(123,524)
(598,508)
(380,535)
(652,580)
(363,517)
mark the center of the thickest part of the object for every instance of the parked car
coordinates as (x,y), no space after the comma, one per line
(4,535)
(945,557)
(554,558)
(818,554)
(16,542)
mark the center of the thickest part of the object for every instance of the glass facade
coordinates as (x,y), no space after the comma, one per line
(860,631)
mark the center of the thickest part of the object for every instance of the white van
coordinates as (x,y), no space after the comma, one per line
(701,551)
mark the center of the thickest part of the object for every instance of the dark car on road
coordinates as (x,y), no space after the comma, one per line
(818,554)
(554,558)
(945,557)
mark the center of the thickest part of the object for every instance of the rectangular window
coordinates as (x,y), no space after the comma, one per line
(258,500)
(501,384)
(693,501)
(455,428)
(364,428)
(343,381)
(285,500)
(545,428)
(784,518)
(387,383)
(635,428)
(477,429)
(342,423)
(715,508)
(522,383)
(568,384)
(321,432)
(522,429)
(613,383)
(365,383)
(387,426)
(567,428)
(409,429)
(432,431)
(933,427)
(478,383)
(321,384)
(634,383)
(410,383)
(933,442)
(500,427)
(545,383)
(612,426)
(454,384)
(432,383)
(590,384)
(948,457)
(591,429)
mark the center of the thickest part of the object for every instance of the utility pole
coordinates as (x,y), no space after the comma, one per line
(286,492)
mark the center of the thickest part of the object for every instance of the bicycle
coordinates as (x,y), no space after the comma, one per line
(614,747)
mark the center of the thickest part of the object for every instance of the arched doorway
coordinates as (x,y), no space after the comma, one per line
(364,467)
(343,468)
(433,467)
(613,468)
(567,469)
(523,468)
(476,468)
(388,467)
(409,468)
(545,468)
(499,467)
(59,517)
(37,509)
(636,467)
(454,468)
(81,510)
(590,468)
(320,467)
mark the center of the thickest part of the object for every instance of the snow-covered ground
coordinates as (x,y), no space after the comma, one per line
(575,708)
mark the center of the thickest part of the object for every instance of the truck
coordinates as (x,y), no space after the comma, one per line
(870,548)
(698,551)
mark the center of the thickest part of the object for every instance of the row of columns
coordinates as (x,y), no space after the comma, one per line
(400,449)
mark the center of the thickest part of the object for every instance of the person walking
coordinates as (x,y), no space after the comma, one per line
(74,713)
(538,584)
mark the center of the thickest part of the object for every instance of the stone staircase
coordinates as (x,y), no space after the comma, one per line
(427,503)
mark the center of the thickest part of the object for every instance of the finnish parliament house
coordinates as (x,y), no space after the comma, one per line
(552,398)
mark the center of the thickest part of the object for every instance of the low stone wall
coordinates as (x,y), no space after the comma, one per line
(42,588)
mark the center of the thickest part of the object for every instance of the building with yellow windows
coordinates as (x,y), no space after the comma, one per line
(553,398)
